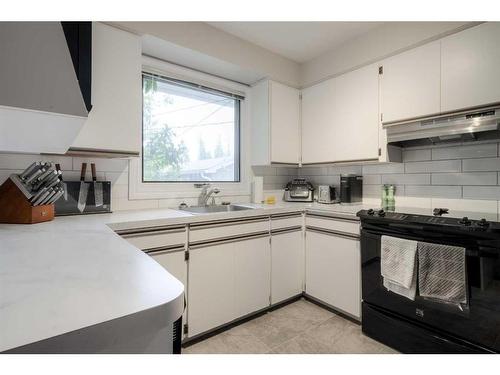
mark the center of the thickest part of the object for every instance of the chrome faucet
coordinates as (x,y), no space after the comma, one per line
(206,192)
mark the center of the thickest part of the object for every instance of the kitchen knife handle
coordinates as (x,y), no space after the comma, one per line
(94,175)
(83,172)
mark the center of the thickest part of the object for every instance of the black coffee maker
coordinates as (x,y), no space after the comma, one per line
(351,188)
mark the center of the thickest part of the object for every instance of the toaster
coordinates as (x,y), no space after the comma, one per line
(326,194)
(299,190)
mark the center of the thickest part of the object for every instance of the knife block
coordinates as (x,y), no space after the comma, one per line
(15,208)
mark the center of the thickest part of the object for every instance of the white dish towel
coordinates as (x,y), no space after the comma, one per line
(398,266)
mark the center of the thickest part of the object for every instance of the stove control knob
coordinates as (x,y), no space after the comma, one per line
(370,211)
(465,221)
(483,223)
(381,213)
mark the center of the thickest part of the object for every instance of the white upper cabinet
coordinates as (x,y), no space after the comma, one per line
(275,124)
(470,67)
(114,123)
(410,84)
(340,118)
(356,115)
(318,128)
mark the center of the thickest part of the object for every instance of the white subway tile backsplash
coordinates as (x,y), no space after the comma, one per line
(264,171)
(466,151)
(313,171)
(433,166)
(22,161)
(484,164)
(383,168)
(103,165)
(372,179)
(344,169)
(406,179)
(416,155)
(470,178)
(482,192)
(433,191)
(117,178)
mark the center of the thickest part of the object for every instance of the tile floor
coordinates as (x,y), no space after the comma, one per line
(298,328)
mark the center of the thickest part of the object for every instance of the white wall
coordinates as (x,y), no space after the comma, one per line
(376,45)
(204,38)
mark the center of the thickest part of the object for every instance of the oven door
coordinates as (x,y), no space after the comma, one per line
(478,322)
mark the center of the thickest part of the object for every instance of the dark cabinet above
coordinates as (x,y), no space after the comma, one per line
(79,39)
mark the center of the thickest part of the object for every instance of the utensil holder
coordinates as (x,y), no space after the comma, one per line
(15,208)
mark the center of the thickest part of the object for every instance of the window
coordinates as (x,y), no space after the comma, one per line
(190,132)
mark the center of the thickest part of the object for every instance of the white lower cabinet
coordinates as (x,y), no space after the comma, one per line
(252,277)
(333,270)
(211,287)
(227,280)
(174,262)
(287,264)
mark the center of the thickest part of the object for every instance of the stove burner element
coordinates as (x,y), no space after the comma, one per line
(465,221)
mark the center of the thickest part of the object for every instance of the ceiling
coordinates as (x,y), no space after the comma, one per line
(297,41)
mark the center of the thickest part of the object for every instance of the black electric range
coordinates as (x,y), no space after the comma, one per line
(423,325)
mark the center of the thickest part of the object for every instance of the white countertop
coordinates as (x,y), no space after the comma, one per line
(75,271)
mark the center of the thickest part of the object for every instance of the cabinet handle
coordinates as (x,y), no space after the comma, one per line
(164,249)
(332,232)
(219,241)
(193,227)
(286,230)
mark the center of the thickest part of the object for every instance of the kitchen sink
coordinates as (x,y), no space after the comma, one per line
(215,209)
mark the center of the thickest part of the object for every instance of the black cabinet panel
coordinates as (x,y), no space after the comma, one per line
(79,39)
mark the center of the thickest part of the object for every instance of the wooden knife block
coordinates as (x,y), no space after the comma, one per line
(15,208)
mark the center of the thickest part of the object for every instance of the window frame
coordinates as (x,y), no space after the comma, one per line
(171,192)
(201,88)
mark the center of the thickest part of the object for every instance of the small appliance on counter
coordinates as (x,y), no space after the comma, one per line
(299,190)
(326,194)
(351,188)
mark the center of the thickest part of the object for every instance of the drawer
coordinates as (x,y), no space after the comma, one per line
(220,230)
(282,222)
(166,238)
(334,224)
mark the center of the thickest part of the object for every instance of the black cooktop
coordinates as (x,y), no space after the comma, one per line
(437,220)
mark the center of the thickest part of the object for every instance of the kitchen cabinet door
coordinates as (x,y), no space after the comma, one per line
(252,275)
(211,287)
(410,83)
(174,263)
(318,128)
(287,264)
(285,123)
(470,67)
(275,124)
(355,116)
(114,123)
(333,271)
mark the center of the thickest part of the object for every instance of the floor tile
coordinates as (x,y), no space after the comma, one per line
(298,328)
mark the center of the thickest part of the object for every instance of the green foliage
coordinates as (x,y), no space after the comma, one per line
(162,157)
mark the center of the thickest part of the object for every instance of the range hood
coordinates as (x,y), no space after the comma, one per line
(478,123)
(42,107)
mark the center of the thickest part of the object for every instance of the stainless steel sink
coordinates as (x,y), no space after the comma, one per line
(215,209)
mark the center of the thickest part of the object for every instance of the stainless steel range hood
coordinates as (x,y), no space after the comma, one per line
(41,104)
(456,126)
